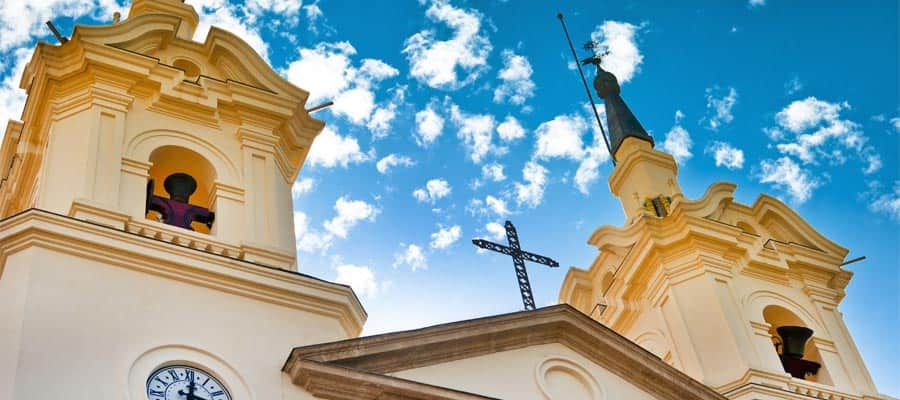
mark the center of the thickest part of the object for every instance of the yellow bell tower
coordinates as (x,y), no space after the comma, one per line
(743,298)
(144,286)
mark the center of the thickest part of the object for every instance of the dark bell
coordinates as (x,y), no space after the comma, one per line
(793,340)
(180,186)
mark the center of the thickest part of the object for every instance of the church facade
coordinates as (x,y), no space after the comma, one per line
(147,252)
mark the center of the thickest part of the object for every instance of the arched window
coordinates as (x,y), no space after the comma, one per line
(797,351)
(178,161)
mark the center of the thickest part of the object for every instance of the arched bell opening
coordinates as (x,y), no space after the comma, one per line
(795,346)
(182,183)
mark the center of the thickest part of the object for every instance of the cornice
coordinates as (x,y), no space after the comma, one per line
(117,248)
(384,354)
(636,157)
(338,383)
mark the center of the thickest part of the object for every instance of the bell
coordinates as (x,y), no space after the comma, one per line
(793,339)
(180,186)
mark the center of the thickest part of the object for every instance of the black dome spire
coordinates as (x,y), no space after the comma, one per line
(621,121)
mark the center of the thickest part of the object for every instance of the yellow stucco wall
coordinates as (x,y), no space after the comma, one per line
(543,372)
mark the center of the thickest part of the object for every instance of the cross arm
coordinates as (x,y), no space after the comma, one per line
(484,244)
(539,259)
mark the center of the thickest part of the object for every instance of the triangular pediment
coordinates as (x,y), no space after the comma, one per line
(553,338)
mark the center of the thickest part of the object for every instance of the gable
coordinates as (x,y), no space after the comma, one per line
(548,371)
(417,364)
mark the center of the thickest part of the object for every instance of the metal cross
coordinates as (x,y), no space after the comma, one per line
(519,257)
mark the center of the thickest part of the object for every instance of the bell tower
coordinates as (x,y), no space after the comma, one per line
(146,219)
(137,101)
(742,297)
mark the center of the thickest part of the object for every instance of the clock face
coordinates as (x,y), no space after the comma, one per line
(179,382)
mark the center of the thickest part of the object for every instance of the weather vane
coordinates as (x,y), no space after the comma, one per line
(519,257)
(595,59)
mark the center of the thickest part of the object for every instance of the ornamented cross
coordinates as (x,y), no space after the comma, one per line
(519,257)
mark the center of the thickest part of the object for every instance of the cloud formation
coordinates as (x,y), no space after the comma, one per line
(429,125)
(726,155)
(327,72)
(330,150)
(516,85)
(360,278)
(390,161)
(412,256)
(454,62)
(434,190)
(788,176)
(445,237)
(531,192)
(620,39)
(678,141)
(719,103)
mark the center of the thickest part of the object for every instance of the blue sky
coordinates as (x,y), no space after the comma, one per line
(453,116)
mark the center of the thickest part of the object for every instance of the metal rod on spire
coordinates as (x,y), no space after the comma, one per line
(62,39)
(586,87)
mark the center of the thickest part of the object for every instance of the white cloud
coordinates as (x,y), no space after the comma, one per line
(302,186)
(349,213)
(495,230)
(380,121)
(327,72)
(287,9)
(496,205)
(756,3)
(560,137)
(12,99)
(619,38)
(476,132)
(412,256)
(360,278)
(820,132)
(225,15)
(434,190)
(22,21)
(330,149)
(793,86)
(895,122)
(385,164)
(309,240)
(678,141)
(493,172)
(589,168)
(516,85)
(510,129)
(887,203)
(718,105)
(451,63)
(489,206)
(531,193)
(429,125)
(726,155)
(788,176)
(445,237)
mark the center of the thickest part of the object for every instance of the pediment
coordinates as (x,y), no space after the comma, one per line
(416,364)
(768,218)
(222,56)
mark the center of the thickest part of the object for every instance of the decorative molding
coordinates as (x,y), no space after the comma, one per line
(388,353)
(178,260)
(573,369)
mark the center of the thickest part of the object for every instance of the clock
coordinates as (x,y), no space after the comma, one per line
(181,382)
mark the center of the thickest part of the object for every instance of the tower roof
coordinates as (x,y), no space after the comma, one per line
(621,121)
